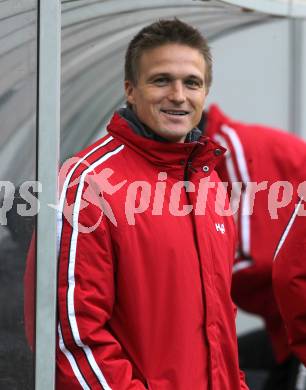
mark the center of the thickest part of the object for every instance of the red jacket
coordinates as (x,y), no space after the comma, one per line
(145,305)
(289,280)
(258,154)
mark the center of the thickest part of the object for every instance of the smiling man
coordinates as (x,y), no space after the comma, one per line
(169,92)
(148,306)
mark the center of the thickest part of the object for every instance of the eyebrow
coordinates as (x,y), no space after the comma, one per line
(194,77)
(154,75)
(169,75)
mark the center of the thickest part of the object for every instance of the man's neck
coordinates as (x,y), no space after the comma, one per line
(141,129)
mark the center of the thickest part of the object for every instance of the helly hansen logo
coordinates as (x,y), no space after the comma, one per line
(220,227)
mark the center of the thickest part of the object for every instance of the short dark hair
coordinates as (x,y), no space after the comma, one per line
(163,32)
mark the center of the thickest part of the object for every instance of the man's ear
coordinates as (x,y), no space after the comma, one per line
(129,91)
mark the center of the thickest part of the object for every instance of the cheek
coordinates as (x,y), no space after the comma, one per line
(154,97)
(200,103)
(197,99)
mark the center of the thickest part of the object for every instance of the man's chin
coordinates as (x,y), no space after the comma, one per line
(174,135)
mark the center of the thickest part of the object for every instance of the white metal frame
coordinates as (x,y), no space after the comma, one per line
(296,71)
(48,157)
(303,80)
(297,97)
(293,8)
(49,42)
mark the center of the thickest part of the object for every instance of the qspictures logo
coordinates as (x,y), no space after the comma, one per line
(98,189)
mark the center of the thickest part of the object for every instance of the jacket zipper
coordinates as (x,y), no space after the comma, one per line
(188,167)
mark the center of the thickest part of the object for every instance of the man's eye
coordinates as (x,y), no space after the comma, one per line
(160,81)
(193,83)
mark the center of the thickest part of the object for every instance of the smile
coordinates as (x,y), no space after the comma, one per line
(176,112)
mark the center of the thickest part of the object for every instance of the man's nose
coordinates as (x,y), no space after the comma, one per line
(177,92)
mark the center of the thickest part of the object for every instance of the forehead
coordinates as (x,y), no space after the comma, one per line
(171,58)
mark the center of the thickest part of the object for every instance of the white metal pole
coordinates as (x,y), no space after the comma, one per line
(302,131)
(297,95)
(49,39)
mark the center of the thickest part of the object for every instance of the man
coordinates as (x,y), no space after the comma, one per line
(289,276)
(144,286)
(274,161)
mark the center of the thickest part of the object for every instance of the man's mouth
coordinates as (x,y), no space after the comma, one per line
(175,112)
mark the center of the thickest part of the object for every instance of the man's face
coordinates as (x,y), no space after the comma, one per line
(170,93)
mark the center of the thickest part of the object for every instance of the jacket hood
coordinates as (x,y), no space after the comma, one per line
(214,119)
(204,151)
(141,129)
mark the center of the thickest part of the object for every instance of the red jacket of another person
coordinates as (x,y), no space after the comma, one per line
(264,155)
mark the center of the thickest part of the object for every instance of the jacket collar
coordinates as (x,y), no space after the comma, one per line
(166,155)
(141,129)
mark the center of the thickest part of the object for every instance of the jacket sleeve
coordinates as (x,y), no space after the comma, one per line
(243,385)
(289,283)
(88,354)
(252,271)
